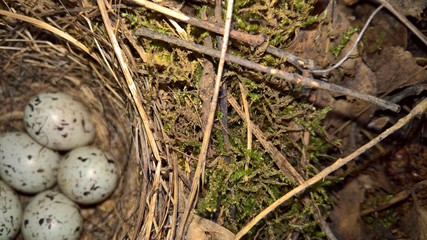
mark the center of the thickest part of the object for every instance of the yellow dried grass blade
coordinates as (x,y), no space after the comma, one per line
(51,29)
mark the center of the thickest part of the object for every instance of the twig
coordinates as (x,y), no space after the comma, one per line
(417,110)
(247,118)
(397,198)
(281,161)
(394,98)
(133,42)
(255,40)
(404,20)
(200,169)
(175,193)
(136,95)
(292,59)
(290,77)
(318,71)
(409,91)
(152,204)
(223,104)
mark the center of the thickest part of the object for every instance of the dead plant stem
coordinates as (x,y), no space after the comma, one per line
(288,170)
(289,77)
(152,204)
(217,28)
(136,94)
(175,200)
(247,118)
(200,169)
(347,55)
(417,110)
(281,161)
(253,40)
(396,198)
(142,153)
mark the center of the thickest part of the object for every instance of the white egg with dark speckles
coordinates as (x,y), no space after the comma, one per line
(51,215)
(10,212)
(58,121)
(87,175)
(26,165)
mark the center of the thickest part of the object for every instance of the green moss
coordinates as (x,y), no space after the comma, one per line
(132,19)
(277,19)
(344,40)
(249,181)
(242,182)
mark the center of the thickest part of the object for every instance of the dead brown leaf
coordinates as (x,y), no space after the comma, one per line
(379,65)
(363,81)
(412,8)
(415,221)
(204,229)
(345,216)
(384,30)
(395,68)
(346,221)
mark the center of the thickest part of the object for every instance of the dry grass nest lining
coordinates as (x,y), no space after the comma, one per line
(31,66)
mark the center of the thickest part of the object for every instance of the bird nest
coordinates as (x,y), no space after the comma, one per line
(36,60)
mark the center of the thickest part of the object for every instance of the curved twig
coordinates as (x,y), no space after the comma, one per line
(353,47)
(417,110)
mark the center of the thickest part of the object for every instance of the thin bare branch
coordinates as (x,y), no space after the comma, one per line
(255,40)
(347,55)
(396,198)
(200,169)
(136,95)
(290,77)
(417,110)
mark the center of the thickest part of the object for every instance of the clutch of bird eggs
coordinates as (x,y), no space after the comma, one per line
(30,163)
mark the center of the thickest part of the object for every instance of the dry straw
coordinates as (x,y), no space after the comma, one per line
(46,46)
(37,56)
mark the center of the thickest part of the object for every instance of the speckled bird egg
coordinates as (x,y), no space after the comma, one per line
(87,175)
(51,215)
(26,165)
(58,121)
(10,212)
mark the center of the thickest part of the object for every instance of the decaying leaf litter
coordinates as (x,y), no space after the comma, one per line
(293,139)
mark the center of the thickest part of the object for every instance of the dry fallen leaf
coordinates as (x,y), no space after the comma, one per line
(204,229)
(363,81)
(395,68)
(346,222)
(415,221)
(412,8)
